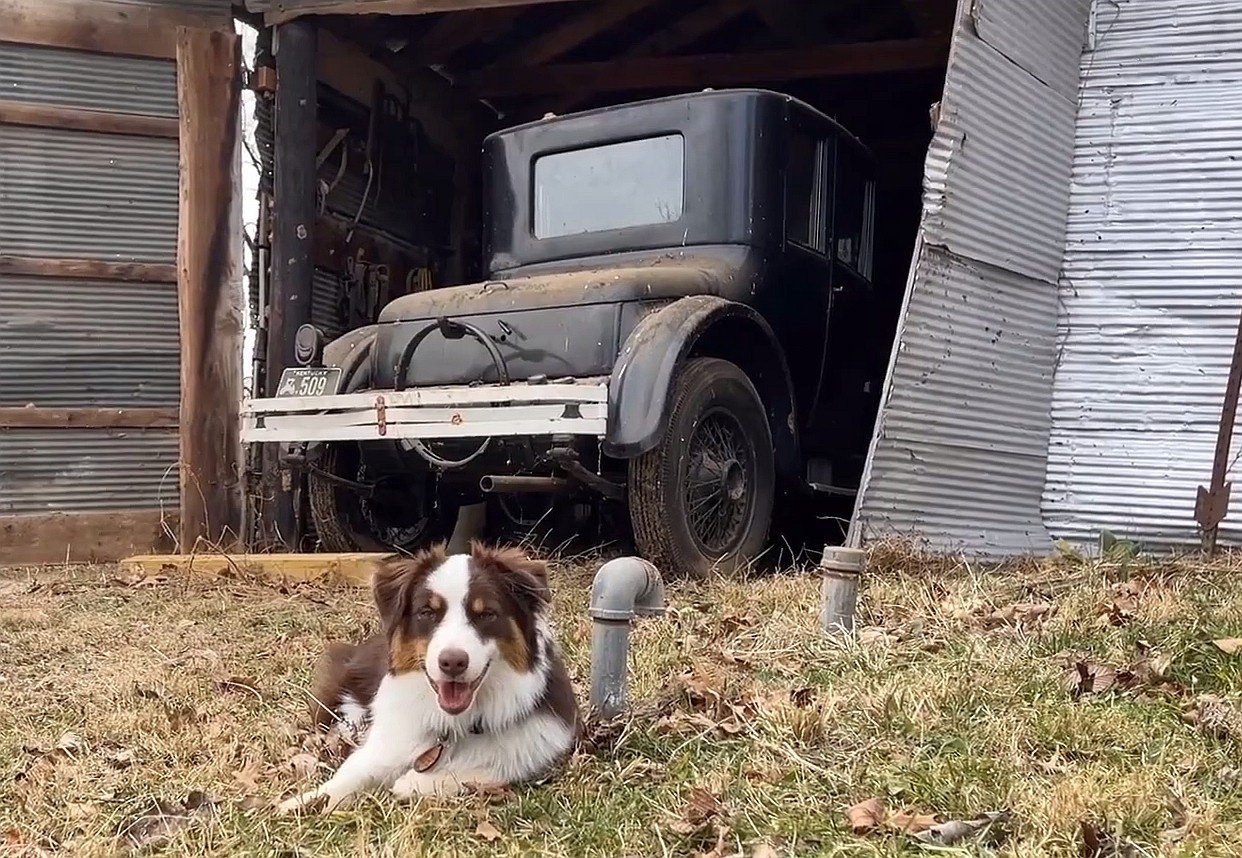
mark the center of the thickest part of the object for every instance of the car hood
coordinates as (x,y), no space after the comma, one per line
(667,276)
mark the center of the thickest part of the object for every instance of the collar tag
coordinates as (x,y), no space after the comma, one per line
(427,760)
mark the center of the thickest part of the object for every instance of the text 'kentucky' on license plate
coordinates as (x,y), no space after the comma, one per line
(309,381)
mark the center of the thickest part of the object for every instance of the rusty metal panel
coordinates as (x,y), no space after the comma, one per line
(85,470)
(75,194)
(960,447)
(41,75)
(70,343)
(1152,282)
(325,303)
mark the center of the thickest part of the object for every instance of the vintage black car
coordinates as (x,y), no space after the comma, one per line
(674,323)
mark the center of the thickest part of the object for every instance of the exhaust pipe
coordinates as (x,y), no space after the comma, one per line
(623,590)
(522,485)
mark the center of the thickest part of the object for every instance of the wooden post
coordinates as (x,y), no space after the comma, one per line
(209,284)
(293,226)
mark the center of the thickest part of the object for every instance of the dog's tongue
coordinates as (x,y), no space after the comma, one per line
(454,697)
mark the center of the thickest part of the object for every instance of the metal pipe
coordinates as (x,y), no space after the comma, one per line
(623,590)
(842,568)
(492,484)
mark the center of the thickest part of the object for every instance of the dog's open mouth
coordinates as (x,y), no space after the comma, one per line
(456,697)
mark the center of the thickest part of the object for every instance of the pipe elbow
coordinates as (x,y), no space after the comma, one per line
(626,588)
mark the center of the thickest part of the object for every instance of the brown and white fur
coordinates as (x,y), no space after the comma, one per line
(465,663)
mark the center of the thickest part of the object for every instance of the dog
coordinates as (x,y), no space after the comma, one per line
(463,684)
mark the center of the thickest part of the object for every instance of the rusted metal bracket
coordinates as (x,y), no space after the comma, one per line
(1212,502)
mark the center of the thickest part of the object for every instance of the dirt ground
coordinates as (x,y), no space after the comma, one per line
(1068,707)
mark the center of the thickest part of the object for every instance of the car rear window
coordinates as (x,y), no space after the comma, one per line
(615,186)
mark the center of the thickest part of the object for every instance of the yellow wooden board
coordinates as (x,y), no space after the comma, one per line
(355,569)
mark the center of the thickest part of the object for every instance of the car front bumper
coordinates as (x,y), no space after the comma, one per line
(577,407)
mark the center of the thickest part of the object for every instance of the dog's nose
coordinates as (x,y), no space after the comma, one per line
(453,662)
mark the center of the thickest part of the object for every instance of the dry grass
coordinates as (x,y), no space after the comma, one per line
(752,731)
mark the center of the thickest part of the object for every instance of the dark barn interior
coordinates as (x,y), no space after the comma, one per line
(404,102)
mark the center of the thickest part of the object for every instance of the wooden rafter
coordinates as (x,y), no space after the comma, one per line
(581,27)
(695,72)
(679,33)
(454,30)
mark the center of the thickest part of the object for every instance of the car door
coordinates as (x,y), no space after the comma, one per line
(798,306)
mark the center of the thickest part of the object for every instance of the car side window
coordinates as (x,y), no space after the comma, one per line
(807,181)
(855,198)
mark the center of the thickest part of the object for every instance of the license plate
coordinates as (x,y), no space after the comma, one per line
(309,381)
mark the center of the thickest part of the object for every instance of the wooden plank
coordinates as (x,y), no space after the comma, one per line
(282,11)
(293,236)
(89,269)
(581,27)
(50,116)
(105,28)
(209,269)
(91,537)
(30,417)
(716,70)
(350,569)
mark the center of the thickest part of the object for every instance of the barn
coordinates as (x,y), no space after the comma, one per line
(1053,230)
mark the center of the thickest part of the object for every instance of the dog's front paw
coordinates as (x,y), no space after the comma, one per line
(312,801)
(414,783)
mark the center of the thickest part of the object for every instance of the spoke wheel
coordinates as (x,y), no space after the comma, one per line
(702,498)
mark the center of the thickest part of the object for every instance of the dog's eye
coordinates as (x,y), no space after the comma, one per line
(426,613)
(487,616)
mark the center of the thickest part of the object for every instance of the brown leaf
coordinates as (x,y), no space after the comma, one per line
(909,822)
(70,744)
(1229,646)
(247,777)
(702,806)
(121,759)
(1083,677)
(876,636)
(164,820)
(1098,843)
(239,684)
(866,816)
(304,765)
(487,831)
(763,850)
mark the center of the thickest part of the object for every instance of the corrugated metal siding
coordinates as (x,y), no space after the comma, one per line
(85,470)
(39,75)
(74,194)
(960,447)
(1152,282)
(70,343)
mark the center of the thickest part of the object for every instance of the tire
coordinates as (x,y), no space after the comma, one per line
(343,518)
(715,413)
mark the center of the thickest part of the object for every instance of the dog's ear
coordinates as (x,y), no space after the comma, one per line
(397,577)
(525,577)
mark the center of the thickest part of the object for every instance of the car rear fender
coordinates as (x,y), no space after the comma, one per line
(698,326)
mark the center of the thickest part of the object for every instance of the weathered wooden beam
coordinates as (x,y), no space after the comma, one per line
(293,234)
(75,119)
(93,537)
(696,72)
(106,28)
(29,417)
(581,27)
(209,269)
(89,269)
(683,31)
(283,11)
(453,31)
(349,569)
